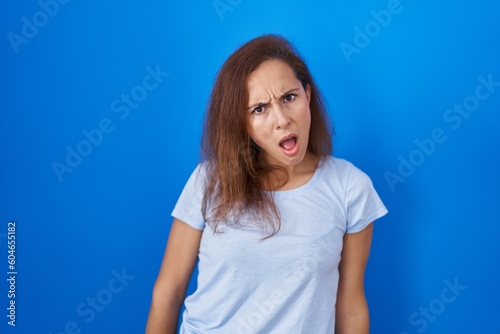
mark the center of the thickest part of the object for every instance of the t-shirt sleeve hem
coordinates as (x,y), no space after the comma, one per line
(361,226)
(186,219)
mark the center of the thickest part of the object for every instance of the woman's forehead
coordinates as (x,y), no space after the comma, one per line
(272,77)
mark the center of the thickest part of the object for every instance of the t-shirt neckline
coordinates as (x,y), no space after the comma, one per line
(305,186)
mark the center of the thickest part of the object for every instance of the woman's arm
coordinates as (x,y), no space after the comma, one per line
(352,315)
(170,286)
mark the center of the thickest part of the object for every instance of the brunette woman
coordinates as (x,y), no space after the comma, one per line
(281,228)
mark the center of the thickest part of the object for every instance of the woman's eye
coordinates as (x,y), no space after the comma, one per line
(259,110)
(289,97)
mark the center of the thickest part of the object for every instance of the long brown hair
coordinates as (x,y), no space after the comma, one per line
(235,176)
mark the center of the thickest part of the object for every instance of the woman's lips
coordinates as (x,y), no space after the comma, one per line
(290,145)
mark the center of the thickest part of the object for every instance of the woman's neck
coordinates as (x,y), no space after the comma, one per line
(297,175)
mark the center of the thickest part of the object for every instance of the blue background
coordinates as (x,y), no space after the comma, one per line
(111,213)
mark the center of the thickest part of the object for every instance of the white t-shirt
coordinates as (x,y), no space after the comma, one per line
(286,283)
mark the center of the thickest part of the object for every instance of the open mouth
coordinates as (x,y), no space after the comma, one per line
(289,144)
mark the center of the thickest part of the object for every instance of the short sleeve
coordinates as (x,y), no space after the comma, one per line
(363,205)
(188,206)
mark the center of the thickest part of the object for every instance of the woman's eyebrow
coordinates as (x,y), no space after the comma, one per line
(289,91)
(261,103)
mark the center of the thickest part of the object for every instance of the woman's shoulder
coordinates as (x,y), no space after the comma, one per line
(339,168)
(198,177)
(202,168)
(339,165)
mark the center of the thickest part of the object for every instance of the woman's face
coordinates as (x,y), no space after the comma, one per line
(278,113)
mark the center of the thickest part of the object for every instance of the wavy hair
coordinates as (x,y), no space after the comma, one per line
(236,179)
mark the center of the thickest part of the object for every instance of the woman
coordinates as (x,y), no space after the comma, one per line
(282,229)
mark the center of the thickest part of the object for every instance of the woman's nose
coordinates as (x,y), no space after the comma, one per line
(282,118)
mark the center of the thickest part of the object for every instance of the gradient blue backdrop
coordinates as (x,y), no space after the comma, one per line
(64,66)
